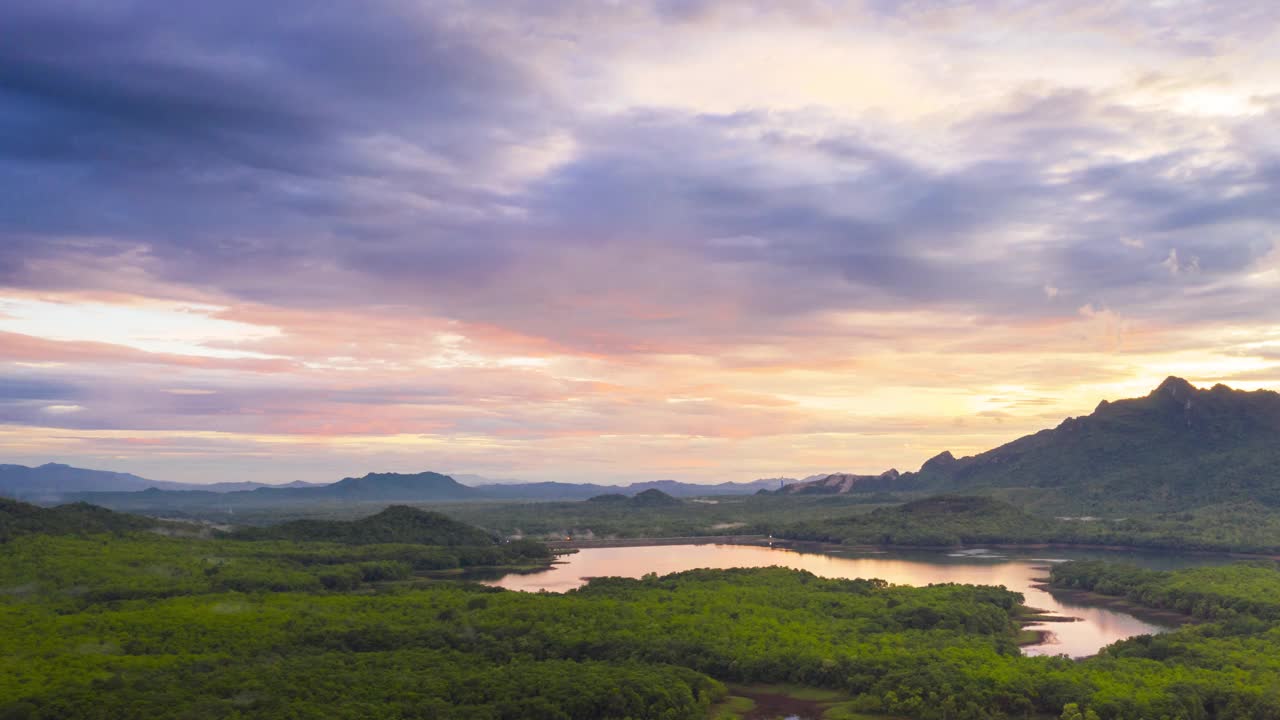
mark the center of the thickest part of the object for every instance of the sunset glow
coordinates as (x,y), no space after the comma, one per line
(620,242)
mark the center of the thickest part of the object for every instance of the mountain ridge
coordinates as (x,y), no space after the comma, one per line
(1175,448)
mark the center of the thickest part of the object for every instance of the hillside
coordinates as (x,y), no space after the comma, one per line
(396,524)
(1177,448)
(20,518)
(50,482)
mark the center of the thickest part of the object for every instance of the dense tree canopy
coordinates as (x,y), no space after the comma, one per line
(147,626)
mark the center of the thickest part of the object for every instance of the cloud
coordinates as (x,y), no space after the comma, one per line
(525,222)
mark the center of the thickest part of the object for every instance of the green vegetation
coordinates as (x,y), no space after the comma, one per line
(19,518)
(657,647)
(645,499)
(955,520)
(653,498)
(936,521)
(1177,449)
(150,626)
(396,524)
(605,517)
(145,625)
(1230,592)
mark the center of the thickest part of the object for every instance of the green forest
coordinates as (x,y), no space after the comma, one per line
(903,519)
(955,520)
(113,621)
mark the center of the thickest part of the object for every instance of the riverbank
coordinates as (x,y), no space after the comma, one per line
(1160,616)
(829,547)
(582,543)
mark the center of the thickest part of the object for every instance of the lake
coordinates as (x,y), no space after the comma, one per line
(1015,570)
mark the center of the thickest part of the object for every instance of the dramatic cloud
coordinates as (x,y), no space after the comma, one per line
(616,241)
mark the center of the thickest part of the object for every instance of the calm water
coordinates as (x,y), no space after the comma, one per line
(1098,627)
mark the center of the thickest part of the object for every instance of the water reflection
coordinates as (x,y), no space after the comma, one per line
(1098,626)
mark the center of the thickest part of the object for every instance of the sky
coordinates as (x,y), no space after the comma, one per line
(621,241)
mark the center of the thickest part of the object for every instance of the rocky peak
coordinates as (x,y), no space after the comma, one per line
(1176,388)
(941,462)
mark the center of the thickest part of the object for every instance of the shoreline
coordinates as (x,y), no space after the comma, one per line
(561,545)
(1028,634)
(1030,637)
(770,541)
(1160,616)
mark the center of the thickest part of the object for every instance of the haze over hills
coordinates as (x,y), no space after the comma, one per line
(59,483)
(52,480)
(55,481)
(1176,448)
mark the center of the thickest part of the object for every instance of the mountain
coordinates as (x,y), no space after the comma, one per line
(1177,448)
(20,518)
(53,482)
(423,486)
(396,524)
(373,487)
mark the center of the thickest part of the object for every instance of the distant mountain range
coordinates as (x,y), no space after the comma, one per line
(1177,448)
(54,482)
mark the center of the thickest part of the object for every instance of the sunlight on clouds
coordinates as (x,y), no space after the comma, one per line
(157,326)
(613,242)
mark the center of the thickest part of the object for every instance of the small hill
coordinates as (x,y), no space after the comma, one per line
(610,498)
(19,518)
(651,498)
(396,524)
